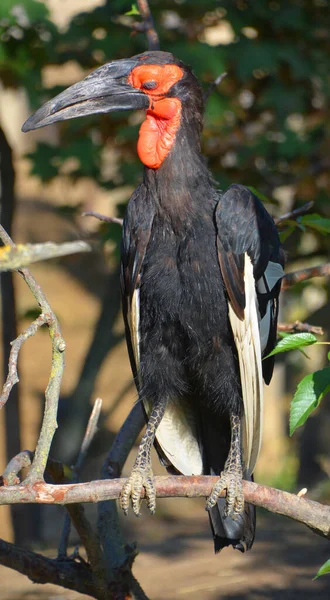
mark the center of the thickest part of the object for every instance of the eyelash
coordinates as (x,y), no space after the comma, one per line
(149,85)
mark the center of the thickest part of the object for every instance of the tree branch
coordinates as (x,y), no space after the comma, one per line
(213,85)
(16,345)
(88,438)
(148,25)
(17,257)
(106,219)
(49,423)
(294,214)
(291,279)
(310,513)
(69,574)
(297,326)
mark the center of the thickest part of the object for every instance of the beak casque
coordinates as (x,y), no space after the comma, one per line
(104,90)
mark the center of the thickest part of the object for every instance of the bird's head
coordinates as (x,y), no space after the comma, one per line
(155,81)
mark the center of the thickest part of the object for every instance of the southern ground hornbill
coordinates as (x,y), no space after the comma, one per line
(201,275)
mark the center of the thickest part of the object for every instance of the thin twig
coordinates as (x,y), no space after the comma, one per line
(310,513)
(19,462)
(294,214)
(301,327)
(49,423)
(106,219)
(88,438)
(291,279)
(91,431)
(12,377)
(213,85)
(149,25)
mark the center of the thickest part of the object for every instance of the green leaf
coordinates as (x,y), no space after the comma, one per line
(134,11)
(323,570)
(317,222)
(286,233)
(293,342)
(308,396)
(259,194)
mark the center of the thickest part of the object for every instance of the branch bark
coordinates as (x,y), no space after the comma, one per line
(291,279)
(300,327)
(313,514)
(69,574)
(16,257)
(104,218)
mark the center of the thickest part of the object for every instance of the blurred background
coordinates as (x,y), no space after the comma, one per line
(266,126)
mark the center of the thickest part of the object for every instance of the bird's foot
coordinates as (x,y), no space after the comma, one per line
(230,480)
(141,477)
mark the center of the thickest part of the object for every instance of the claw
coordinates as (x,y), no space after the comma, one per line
(235,497)
(132,489)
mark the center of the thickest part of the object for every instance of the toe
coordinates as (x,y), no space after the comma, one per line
(213,497)
(124,497)
(150,495)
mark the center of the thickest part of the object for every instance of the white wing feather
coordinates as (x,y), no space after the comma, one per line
(247,340)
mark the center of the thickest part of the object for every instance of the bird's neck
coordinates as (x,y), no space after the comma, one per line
(182,186)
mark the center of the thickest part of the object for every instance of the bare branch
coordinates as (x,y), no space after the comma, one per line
(291,279)
(17,257)
(88,438)
(57,470)
(294,214)
(106,219)
(91,430)
(213,85)
(149,26)
(52,393)
(19,462)
(16,345)
(297,326)
(310,513)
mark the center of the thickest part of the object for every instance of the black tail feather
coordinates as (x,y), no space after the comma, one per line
(238,533)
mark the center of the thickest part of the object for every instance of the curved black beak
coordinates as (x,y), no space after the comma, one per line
(104,90)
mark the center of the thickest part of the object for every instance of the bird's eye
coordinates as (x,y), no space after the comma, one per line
(149,85)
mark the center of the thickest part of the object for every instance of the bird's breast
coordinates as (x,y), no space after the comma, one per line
(181,285)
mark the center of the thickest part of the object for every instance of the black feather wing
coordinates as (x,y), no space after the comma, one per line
(135,238)
(244,226)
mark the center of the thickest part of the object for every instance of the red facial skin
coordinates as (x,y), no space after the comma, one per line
(158,131)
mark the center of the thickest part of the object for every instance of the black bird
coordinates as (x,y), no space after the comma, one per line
(201,275)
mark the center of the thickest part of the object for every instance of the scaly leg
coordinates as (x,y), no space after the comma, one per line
(142,475)
(232,475)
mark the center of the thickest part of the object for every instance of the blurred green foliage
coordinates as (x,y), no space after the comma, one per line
(266,126)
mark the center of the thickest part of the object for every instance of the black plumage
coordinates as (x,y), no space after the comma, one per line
(201,274)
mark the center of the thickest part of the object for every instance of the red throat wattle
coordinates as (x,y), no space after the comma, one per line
(158,131)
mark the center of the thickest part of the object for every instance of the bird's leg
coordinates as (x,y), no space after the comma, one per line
(232,475)
(142,475)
